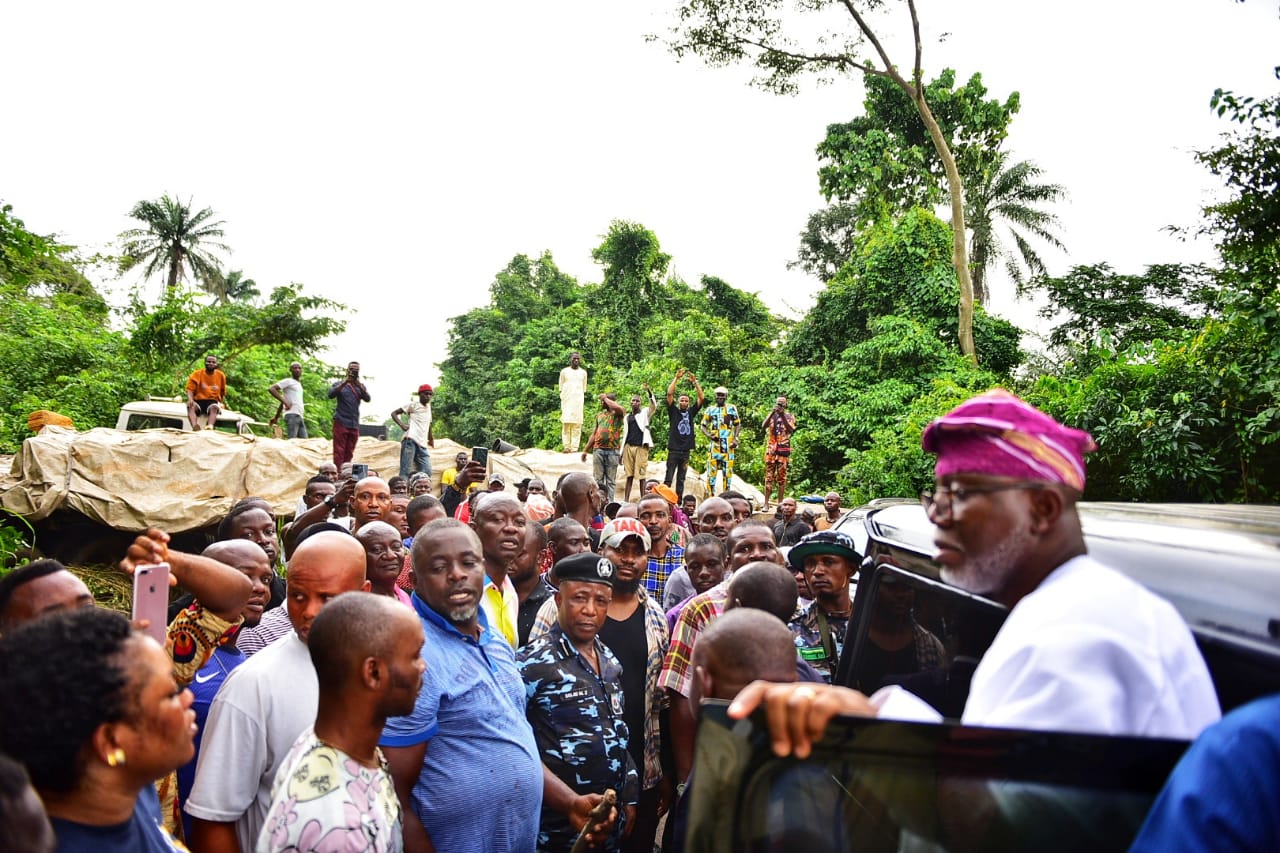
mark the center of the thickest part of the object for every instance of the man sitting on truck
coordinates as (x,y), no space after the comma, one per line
(206,390)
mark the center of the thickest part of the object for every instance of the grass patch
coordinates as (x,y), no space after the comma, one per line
(111,587)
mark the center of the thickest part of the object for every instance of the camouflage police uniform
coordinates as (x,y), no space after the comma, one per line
(577,723)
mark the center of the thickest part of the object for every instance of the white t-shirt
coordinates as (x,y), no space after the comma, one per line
(291,390)
(263,707)
(323,799)
(1090,651)
(419,421)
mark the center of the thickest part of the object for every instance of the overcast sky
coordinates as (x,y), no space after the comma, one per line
(394,156)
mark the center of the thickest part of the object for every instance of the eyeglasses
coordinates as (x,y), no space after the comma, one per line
(942,502)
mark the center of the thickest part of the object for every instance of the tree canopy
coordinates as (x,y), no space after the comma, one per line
(175,241)
(62,349)
(770,35)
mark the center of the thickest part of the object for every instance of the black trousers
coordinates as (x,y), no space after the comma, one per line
(641,838)
(677,464)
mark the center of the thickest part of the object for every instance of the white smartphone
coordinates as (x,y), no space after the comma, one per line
(151,599)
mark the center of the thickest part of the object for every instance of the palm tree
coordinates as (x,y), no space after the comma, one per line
(1011,196)
(175,240)
(232,287)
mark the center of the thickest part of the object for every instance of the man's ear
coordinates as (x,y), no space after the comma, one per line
(366,586)
(706,681)
(371,672)
(1047,505)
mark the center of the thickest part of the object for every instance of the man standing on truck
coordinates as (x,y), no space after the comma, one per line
(573,388)
(681,418)
(206,390)
(417,433)
(720,425)
(346,415)
(778,426)
(289,393)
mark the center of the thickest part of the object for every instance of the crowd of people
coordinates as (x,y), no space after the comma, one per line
(495,670)
(621,438)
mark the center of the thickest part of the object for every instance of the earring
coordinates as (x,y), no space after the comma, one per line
(115,758)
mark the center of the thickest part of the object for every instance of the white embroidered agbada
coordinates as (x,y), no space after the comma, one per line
(1088,651)
(573,390)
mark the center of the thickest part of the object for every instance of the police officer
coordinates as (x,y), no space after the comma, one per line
(574,688)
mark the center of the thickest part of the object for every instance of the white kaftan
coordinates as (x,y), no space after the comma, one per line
(573,390)
(1088,651)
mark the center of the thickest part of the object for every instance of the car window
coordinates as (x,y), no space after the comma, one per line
(875,785)
(139,422)
(918,633)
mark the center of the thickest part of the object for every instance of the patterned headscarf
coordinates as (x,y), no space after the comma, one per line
(996,433)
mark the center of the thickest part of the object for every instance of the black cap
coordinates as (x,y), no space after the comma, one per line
(585,567)
(825,542)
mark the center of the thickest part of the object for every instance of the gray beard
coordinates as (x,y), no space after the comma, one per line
(462,614)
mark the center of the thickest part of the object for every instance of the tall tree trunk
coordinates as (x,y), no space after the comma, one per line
(978,268)
(175,266)
(959,253)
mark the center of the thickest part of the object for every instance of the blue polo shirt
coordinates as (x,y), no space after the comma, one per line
(480,788)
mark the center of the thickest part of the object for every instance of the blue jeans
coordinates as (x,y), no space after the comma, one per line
(295,426)
(414,457)
(604,467)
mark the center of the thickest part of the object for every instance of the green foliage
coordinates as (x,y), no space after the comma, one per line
(59,349)
(1247,222)
(174,241)
(1151,411)
(892,462)
(884,161)
(1103,313)
(1000,193)
(634,267)
(55,354)
(41,265)
(16,539)
(1176,372)
(537,316)
(902,267)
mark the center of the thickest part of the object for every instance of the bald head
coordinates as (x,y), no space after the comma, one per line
(323,566)
(576,491)
(353,627)
(715,516)
(370,501)
(492,502)
(372,530)
(764,586)
(237,553)
(740,647)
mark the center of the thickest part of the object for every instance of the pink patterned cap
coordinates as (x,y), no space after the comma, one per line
(998,434)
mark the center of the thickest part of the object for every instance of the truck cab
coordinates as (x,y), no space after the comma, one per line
(171,413)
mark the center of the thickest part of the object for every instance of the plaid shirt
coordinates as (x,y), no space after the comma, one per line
(695,616)
(660,568)
(655,630)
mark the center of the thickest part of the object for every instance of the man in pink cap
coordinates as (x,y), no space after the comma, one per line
(1084,648)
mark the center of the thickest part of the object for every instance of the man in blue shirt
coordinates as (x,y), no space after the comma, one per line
(464,763)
